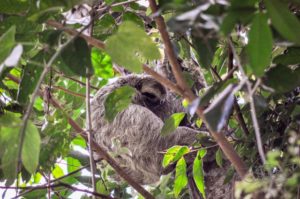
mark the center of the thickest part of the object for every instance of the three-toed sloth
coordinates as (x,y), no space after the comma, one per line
(138,127)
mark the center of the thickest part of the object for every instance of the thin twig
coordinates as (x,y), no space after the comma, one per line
(60,184)
(88,116)
(73,79)
(252,105)
(123,3)
(69,92)
(73,32)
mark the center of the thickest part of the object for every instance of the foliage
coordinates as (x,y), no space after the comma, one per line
(259,40)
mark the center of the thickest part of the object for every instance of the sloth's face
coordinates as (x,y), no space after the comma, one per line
(149,93)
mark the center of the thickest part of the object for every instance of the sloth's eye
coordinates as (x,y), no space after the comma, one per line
(149,95)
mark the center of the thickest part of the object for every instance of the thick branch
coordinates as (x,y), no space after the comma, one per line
(176,68)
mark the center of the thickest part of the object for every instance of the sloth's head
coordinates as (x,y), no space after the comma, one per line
(149,93)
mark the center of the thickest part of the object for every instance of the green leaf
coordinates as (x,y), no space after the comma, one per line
(79,141)
(172,123)
(130,45)
(283,20)
(101,188)
(219,110)
(77,57)
(181,179)
(30,76)
(282,78)
(104,25)
(9,137)
(102,64)
(260,44)
(219,158)
(73,164)
(130,16)
(273,159)
(14,6)
(291,56)
(37,177)
(7,42)
(39,193)
(199,122)
(229,22)
(174,153)
(9,134)
(31,148)
(205,50)
(57,172)
(117,101)
(198,173)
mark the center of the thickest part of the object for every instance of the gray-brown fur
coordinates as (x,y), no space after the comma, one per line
(138,128)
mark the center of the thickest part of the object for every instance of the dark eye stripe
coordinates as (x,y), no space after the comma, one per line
(149,95)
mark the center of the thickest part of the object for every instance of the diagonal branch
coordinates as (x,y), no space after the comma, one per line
(176,68)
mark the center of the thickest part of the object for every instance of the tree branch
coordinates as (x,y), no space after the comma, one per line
(176,68)
(88,114)
(73,79)
(60,184)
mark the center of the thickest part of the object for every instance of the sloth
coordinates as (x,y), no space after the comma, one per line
(138,128)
